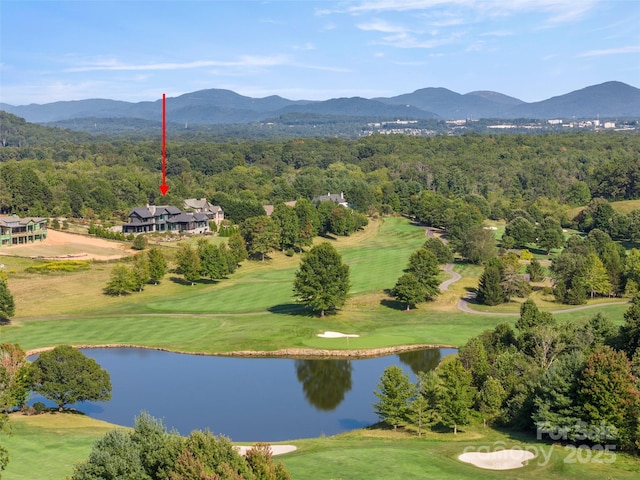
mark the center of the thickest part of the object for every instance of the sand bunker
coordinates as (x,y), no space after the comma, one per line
(337,335)
(275,449)
(498,460)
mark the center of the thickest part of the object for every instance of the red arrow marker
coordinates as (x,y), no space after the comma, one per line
(164,187)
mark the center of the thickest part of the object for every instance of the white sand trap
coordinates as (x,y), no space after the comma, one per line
(337,335)
(275,449)
(498,460)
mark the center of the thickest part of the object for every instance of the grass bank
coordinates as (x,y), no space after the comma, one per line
(47,446)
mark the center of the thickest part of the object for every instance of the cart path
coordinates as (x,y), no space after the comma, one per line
(463,303)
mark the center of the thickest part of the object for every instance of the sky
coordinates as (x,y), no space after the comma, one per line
(314,50)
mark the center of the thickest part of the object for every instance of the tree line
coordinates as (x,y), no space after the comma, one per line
(576,381)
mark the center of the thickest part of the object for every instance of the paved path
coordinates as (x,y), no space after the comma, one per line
(455,276)
(463,303)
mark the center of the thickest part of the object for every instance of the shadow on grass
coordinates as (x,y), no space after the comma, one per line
(394,304)
(292,309)
(5,321)
(202,281)
(327,236)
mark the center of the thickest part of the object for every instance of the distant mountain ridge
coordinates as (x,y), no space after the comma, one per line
(218,106)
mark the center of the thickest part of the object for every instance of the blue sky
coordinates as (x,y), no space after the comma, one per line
(315,50)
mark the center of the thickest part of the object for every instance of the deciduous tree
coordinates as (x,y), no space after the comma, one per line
(66,376)
(409,290)
(322,281)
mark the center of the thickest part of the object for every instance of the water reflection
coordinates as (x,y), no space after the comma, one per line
(324,382)
(248,399)
(421,360)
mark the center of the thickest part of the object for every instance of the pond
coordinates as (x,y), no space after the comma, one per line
(246,399)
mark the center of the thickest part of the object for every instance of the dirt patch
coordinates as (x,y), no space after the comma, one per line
(70,246)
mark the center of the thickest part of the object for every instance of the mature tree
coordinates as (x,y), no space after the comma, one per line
(473,357)
(521,230)
(7,305)
(157,265)
(120,281)
(237,247)
(568,271)
(140,272)
(66,376)
(632,265)
(490,284)
(440,249)
(556,396)
(394,392)
(308,221)
(322,282)
(549,234)
(478,245)
(409,290)
(535,270)
(423,264)
(287,221)
(15,376)
(596,277)
(457,394)
(146,452)
(188,262)
(613,258)
(512,282)
(212,263)
(261,234)
(418,412)
(608,395)
(630,331)
(113,457)
(490,398)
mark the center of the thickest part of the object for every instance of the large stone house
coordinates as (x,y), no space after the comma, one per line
(201,205)
(165,218)
(18,231)
(333,197)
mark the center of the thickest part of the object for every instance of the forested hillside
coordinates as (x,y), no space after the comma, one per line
(496,173)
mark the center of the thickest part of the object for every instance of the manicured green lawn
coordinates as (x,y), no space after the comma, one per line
(47,446)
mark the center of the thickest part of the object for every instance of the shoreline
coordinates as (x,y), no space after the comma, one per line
(294,353)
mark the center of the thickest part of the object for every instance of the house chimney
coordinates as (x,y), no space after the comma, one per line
(341,196)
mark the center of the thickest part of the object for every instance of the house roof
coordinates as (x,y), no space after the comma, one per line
(334,197)
(15,221)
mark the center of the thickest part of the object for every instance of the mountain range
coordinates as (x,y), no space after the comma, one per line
(217,106)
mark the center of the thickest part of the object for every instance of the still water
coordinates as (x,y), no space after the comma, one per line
(246,399)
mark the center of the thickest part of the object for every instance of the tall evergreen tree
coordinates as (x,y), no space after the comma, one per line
(188,263)
(157,265)
(7,304)
(394,392)
(457,394)
(490,284)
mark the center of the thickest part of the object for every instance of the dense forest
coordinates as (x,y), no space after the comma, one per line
(66,176)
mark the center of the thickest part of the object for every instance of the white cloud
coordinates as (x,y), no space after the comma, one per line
(243,61)
(611,51)
(382,26)
(558,10)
